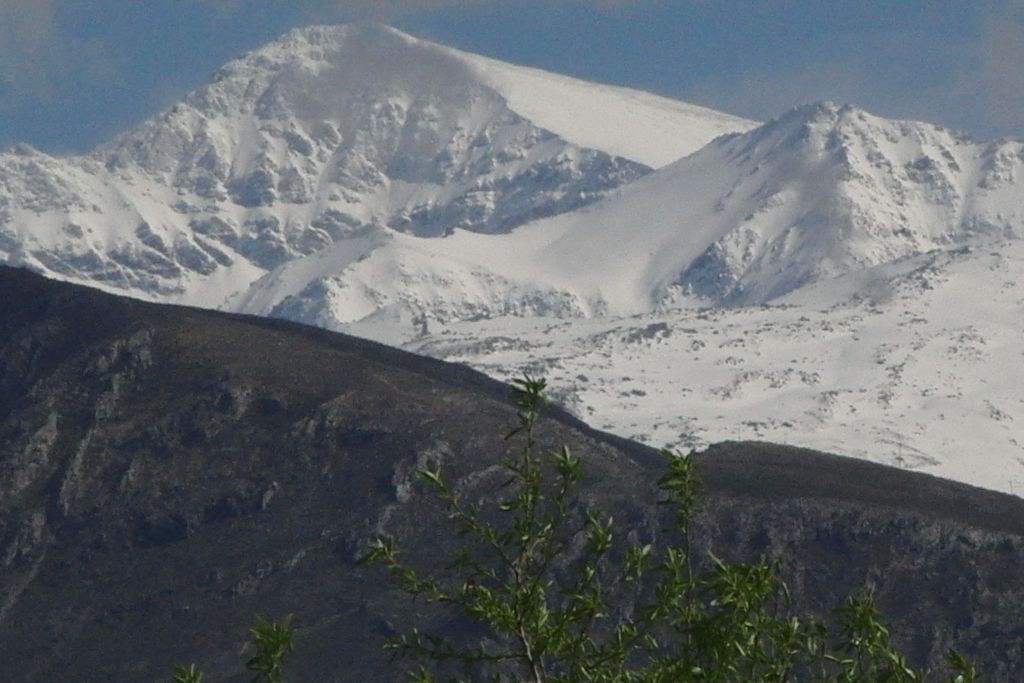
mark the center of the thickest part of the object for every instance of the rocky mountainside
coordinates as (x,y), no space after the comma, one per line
(166,472)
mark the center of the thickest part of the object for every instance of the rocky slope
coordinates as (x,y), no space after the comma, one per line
(167,472)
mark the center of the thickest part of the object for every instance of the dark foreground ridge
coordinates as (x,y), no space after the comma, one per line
(166,473)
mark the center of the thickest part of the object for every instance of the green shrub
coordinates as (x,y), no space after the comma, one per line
(271,641)
(561,599)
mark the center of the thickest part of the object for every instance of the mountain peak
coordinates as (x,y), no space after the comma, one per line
(827,117)
(321,34)
(827,189)
(815,118)
(328,133)
(635,125)
(324,43)
(309,71)
(823,110)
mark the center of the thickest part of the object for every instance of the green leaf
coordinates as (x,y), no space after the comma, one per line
(187,675)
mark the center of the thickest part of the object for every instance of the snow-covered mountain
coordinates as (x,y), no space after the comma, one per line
(829,278)
(326,134)
(821,192)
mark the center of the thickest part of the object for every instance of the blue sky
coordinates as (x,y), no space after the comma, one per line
(75,72)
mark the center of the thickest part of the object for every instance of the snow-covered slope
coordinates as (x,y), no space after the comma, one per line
(821,192)
(918,364)
(633,124)
(327,134)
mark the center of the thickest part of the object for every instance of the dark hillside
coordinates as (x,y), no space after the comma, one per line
(166,473)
